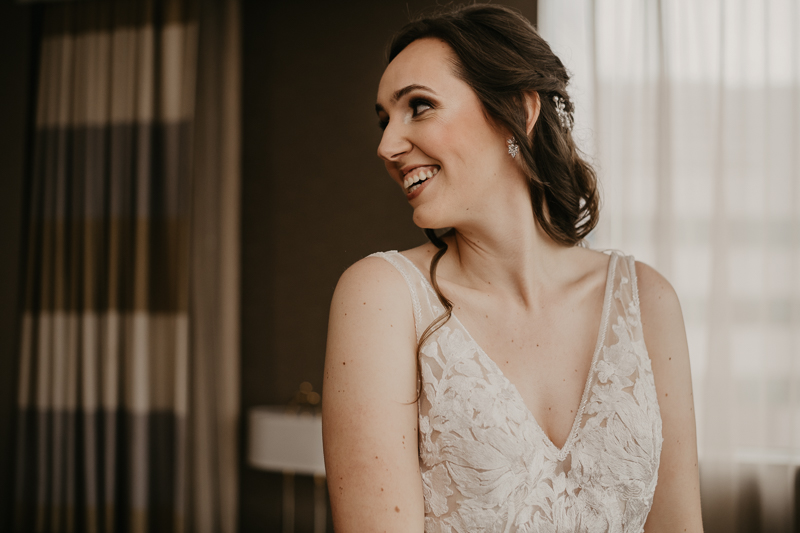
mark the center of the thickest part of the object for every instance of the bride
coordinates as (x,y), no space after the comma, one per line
(503,377)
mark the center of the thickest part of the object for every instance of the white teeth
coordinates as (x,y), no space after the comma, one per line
(409,182)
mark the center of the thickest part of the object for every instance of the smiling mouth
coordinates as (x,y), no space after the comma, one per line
(418,176)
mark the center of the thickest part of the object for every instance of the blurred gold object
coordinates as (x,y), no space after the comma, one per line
(305,400)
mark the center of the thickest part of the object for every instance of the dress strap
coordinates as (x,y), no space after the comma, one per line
(625,282)
(626,315)
(635,284)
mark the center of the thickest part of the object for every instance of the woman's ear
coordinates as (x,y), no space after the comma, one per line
(532,107)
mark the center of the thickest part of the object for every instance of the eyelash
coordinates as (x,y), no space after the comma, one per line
(414,103)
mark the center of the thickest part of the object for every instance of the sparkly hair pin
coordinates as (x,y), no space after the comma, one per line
(564,116)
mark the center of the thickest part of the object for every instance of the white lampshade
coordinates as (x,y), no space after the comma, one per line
(285,442)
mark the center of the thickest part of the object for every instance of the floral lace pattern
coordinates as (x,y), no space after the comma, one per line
(486,464)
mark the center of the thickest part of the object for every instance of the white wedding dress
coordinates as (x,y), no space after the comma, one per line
(486,464)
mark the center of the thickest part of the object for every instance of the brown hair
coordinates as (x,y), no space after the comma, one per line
(502,57)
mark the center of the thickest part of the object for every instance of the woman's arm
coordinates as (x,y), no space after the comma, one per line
(369,412)
(676,503)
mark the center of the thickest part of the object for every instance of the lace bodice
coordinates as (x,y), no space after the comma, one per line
(486,464)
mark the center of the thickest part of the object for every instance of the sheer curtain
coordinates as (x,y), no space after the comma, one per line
(691,112)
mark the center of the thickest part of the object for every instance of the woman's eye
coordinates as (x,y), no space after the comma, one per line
(419,106)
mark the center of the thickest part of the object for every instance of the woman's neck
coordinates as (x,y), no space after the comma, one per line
(506,257)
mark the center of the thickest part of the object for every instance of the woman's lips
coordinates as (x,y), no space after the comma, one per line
(417,189)
(417,178)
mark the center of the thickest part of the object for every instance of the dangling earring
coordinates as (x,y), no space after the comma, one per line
(513,147)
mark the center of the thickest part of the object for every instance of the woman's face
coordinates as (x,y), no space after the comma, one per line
(437,143)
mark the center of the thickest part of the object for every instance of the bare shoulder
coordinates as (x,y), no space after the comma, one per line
(662,326)
(654,286)
(369,275)
(371,324)
(662,318)
(676,503)
(369,413)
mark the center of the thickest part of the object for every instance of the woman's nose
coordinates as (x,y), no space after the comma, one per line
(394,143)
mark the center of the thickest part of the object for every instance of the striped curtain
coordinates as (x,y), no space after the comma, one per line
(128,385)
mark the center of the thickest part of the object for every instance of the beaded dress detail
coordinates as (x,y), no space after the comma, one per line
(486,464)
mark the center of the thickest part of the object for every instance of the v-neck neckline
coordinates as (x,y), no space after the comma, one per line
(561,453)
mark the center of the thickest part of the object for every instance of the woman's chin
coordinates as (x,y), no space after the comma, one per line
(426,218)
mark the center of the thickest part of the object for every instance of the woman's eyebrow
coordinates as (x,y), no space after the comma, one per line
(407,89)
(404,91)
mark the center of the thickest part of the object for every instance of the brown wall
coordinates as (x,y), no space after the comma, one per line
(316,198)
